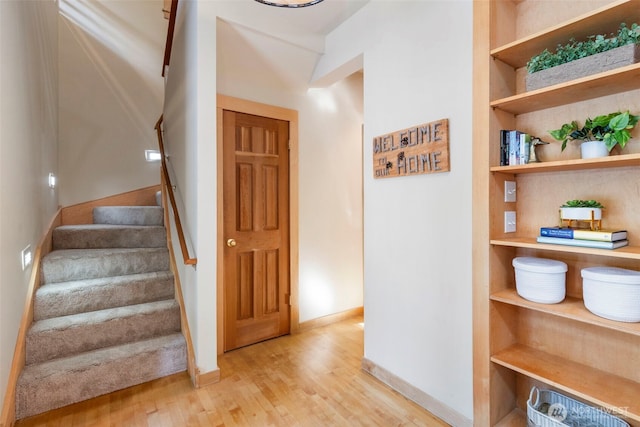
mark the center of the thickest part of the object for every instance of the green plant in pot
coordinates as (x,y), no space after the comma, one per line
(577,49)
(582,210)
(600,134)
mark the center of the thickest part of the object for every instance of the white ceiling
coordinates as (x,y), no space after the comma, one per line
(303,26)
(275,47)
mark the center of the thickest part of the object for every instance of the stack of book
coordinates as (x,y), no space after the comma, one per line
(602,239)
(514,147)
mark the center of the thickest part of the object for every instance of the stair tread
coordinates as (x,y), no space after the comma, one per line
(63,265)
(94,236)
(99,316)
(109,227)
(128,215)
(66,335)
(82,361)
(73,285)
(96,253)
(56,383)
(78,296)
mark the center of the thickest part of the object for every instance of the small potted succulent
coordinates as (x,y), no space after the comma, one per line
(582,210)
(600,134)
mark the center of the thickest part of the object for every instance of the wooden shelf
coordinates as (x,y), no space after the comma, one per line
(628,252)
(604,378)
(515,418)
(570,308)
(572,165)
(601,21)
(599,388)
(621,79)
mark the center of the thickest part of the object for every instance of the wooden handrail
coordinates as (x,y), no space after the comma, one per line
(167,182)
(170,29)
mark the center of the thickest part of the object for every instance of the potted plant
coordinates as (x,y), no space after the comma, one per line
(595,54)
(600,134)
(582,210)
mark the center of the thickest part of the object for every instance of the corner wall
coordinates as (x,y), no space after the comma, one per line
(190,138)
(28,151)
(417,234)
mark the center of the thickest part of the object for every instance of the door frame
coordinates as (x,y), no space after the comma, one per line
(225,102)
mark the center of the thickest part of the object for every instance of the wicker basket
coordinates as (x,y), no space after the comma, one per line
(565,412)
(540,280)
(612,293)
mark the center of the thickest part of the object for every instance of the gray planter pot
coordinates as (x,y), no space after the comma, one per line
(598,63)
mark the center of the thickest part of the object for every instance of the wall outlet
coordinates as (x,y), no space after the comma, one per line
(509,191)
(510,222)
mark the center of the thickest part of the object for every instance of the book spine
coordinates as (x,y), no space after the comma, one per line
(504,147)
(563,233)
(525,144)
(582,243)
(567,233)
(517,144)
(602,236)
(514,148)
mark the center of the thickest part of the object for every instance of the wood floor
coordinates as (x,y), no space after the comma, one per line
(309,379)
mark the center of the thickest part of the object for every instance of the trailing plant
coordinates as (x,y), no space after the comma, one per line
(582,204)
(612,128)
(580,49)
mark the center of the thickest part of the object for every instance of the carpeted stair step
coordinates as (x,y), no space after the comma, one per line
(65,298)
(128,215)
(63,336)
(97,236)
(76,264)
(60,382)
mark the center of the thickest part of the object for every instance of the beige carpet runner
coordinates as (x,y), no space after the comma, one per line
(105,317)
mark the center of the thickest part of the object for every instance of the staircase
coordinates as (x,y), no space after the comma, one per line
(105,317)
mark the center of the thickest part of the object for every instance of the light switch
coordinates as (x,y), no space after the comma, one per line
(509,191)
(510,222)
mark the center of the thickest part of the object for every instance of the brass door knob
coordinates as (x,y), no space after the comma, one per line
(231,243)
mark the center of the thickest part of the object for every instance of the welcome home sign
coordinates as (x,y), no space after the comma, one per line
(417,150)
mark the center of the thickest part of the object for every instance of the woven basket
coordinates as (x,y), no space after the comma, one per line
(565,412)
(540,280)
(612,293)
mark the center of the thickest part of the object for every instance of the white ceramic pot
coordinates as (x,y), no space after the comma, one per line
(582,214)
(593,149)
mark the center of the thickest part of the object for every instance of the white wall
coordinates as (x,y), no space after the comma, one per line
(190,136)
(331,203)
(28,151)
(417,68)
(111,91)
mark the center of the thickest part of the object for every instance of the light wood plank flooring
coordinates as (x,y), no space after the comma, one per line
(309,379)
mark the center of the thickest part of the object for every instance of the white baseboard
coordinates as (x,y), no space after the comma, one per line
(329,319)
(428,402)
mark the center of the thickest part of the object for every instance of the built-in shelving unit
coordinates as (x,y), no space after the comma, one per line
(519,343)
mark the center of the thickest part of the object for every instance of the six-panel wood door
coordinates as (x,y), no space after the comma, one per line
(256,228)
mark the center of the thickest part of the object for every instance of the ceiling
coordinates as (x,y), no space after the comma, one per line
(303,26)
(275,47)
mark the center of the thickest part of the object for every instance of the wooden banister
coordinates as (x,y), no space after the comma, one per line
(170,29)
(174,206)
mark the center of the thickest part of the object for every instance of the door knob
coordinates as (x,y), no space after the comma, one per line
(231,243)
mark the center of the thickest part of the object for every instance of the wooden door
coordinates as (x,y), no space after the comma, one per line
(256,228)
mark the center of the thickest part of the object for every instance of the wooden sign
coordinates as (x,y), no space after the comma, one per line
(417,150)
